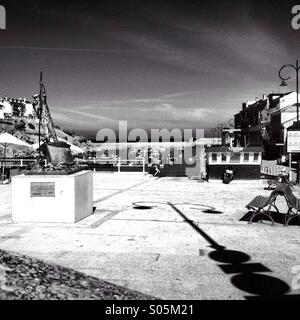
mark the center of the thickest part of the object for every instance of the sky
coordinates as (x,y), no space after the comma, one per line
(156,64)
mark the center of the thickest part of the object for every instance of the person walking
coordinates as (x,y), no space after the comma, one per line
(157,171)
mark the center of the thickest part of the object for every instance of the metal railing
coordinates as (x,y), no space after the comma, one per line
(117,163)
(275,170)
(17,162)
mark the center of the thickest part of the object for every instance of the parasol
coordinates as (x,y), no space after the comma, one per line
(6,140)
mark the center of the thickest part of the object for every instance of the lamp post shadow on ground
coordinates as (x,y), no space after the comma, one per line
(253,278)
(296,125)
(249,277)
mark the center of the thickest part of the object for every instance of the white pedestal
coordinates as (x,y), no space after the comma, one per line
(46,198)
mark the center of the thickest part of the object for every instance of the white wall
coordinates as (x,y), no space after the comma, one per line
(29,111)
(288,100)
(242,162)
(7,107)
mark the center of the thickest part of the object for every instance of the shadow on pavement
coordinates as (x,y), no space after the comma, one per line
(142,207)
(277,217)
(246,276)
(148,205)
(213,212)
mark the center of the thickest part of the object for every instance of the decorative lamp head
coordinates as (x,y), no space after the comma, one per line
(283,84)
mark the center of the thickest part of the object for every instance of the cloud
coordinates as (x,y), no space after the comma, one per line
(148,115)
(81,120)
(86,115)
(166,65)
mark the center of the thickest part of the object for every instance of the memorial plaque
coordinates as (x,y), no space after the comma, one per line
(42,189)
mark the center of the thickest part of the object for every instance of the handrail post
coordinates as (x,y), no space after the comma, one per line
(290,166)
(119,164)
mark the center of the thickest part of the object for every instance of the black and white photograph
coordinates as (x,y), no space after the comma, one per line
(149,152)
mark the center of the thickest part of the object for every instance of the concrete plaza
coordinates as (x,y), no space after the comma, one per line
(164,237)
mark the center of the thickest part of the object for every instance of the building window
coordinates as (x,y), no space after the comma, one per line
(235,157)
(256,157)
(224,157)
(214,157)
(246,157)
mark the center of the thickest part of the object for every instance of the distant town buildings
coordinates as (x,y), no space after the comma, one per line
(264,122)
(10,107)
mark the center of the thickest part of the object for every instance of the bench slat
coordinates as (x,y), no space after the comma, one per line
(259,202)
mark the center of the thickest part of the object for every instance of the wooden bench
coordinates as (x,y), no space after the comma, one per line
(292,201)
(258,205)
(262,205)
(277,180)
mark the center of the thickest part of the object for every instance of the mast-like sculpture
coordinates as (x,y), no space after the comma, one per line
(56,152)
(43,112)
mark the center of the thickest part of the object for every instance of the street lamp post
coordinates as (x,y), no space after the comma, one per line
(284,84)
(284,79)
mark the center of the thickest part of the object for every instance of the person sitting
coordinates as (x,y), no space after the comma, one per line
(228,175)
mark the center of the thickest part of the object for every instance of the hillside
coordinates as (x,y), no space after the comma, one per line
(27,130)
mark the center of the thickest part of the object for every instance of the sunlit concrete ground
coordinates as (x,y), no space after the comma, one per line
(167,246)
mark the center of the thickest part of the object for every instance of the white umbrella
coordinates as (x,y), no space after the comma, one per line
(6,140)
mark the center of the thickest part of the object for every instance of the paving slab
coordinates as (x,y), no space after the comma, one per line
(161,237)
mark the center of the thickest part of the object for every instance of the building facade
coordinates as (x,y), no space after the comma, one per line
(10,107)
(245,162)
(264,122)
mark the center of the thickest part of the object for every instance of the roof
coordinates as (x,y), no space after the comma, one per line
(253,149)
(218,149)
(227,149)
